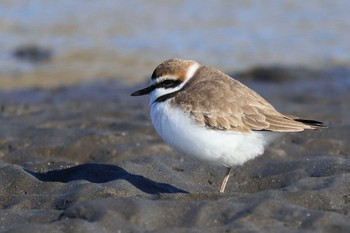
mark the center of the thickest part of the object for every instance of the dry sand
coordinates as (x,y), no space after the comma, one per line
(86,159)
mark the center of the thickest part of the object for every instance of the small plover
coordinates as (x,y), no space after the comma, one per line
(205,114)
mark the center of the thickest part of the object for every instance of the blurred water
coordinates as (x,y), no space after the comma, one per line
(126,39)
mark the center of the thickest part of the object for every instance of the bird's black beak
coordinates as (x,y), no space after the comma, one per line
(143,91)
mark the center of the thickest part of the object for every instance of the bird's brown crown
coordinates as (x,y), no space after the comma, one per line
(174,68)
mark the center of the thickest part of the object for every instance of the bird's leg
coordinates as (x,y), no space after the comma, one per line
(224,182)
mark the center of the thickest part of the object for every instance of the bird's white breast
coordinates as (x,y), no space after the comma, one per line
(224,148)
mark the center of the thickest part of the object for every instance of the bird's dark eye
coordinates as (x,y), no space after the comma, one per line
(168,83)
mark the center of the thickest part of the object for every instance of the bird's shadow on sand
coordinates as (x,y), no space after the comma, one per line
(101,173)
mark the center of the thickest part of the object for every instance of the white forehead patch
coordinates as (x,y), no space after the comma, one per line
(161,79)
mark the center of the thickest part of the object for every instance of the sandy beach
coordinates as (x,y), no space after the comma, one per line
(85,158)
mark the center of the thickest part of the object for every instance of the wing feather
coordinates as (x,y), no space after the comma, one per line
(218,101)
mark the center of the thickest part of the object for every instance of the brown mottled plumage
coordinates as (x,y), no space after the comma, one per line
(232,105)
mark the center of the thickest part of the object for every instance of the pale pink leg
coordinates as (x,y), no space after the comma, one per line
(224,182)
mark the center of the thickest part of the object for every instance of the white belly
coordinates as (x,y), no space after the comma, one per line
(224,148)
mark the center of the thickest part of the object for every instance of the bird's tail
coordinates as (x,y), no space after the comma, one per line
(313,123)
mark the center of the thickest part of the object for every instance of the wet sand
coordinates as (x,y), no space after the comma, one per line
(86,158)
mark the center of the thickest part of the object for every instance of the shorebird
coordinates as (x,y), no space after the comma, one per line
(205,114)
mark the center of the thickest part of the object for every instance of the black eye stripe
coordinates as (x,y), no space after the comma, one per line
(168,83)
